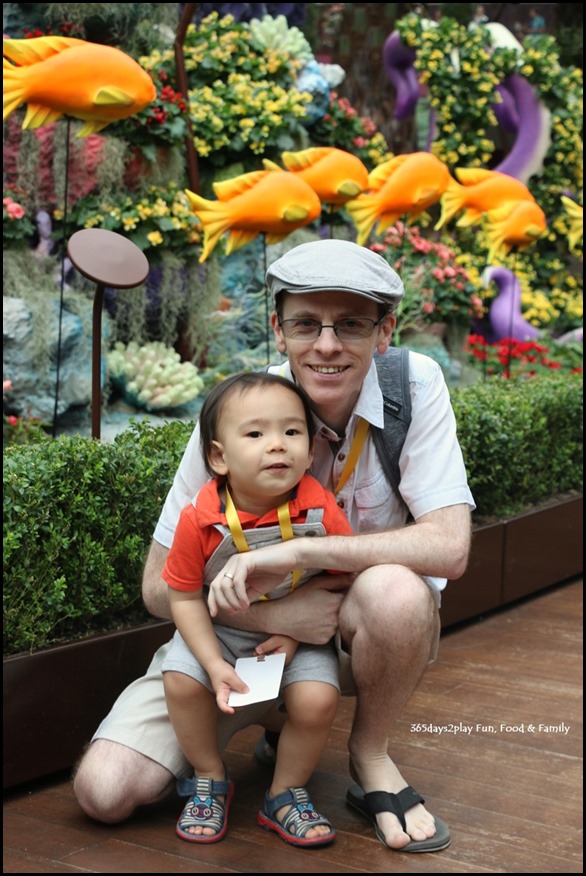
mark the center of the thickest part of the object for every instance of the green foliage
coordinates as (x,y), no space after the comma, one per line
(136,25)
(521,440)
(79,515)
(78,519)
(461,12)
(24,430)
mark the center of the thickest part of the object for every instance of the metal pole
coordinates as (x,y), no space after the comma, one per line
(97,362)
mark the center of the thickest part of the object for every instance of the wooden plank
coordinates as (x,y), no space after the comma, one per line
(513,801)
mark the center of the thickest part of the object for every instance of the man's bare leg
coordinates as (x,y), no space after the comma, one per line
(111,781)
(389,620)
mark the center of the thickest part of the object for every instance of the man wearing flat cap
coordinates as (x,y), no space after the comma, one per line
(334,309)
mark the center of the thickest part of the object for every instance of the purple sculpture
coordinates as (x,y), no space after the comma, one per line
(504,315)
(532,128)
(521,113)
(398,61)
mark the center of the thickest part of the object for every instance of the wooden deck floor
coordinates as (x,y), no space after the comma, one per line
(512,799)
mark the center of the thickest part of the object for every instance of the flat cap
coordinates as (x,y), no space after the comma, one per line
(335,265)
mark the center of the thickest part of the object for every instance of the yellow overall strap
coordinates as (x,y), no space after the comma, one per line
(237,532)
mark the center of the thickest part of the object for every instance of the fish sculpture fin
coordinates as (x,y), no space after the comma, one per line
(92,126)
(296,161)
(415,215)
(349,189)
(28,52)
(533,232)
(273,238)
(270,165)
(452,202)
(36,116)
(363,212)
(573,209)
(471,176)
(383,172)
(497,248)
(385,221)
(13,95)
(471,216)
(227,189)
(295,213)
(111,95)
(496,232)
(238,238)
(575,214)
(214,219)
(425,196)
(499,214)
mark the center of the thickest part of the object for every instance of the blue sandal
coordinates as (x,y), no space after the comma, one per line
(203,809)
(300,818)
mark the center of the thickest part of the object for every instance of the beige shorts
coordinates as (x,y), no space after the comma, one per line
(139,720)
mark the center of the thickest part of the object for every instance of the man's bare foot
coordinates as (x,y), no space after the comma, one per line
(382,775)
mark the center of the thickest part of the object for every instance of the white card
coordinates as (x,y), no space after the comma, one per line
(263,677)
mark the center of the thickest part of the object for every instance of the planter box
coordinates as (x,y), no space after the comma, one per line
(543,547)
(480,587)
(55,698)
(517,556)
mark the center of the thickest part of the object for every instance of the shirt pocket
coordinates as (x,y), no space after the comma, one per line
(375,501)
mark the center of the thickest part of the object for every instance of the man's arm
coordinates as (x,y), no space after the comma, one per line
(155,593)
(438,545)
(309,614)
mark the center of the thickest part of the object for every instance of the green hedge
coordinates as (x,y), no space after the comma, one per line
(521,440)
(79,515)
(78,519)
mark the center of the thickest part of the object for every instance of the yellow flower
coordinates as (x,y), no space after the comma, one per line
(155,238)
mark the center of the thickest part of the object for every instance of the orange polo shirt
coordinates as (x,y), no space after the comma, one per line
(196,537)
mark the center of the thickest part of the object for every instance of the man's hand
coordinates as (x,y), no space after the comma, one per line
(247,576)
(309,614)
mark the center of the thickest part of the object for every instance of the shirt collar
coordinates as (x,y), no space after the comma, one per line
(370,401)
(209,508)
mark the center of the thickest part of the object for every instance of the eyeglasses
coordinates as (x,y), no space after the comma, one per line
(354,329)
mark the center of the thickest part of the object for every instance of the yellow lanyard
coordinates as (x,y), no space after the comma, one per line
(355,451)
(240,539)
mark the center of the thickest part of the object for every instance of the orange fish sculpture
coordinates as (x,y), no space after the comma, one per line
(56,76)
(406,184)
(478,192)
(518,226)
(336,176)
(271,202)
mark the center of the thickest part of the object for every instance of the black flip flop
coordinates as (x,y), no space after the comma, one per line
(381,801)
